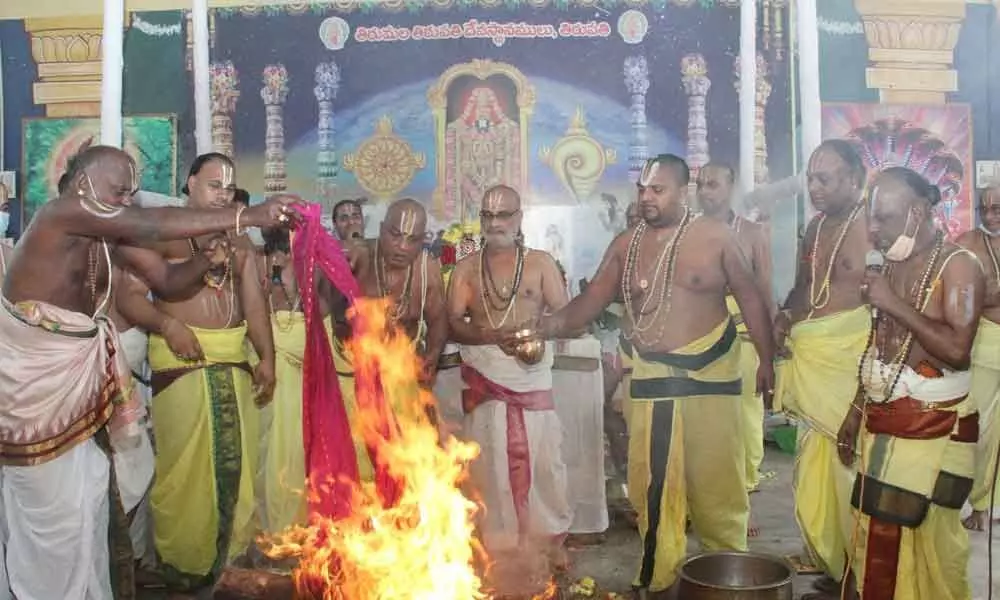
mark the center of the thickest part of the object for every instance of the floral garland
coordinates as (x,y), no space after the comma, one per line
(154,30)
(460,240)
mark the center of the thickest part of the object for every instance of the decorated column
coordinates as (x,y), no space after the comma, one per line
(274,93)
(327,84)
(696,86)
(224,96)
(637,82)
(911,46)
(761,96)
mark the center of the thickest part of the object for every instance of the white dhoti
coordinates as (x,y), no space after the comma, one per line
(59,378)
(519,473)
(448,389)
(134,466)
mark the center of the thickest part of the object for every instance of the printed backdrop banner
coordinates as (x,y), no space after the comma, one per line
(561,100)
(935,141)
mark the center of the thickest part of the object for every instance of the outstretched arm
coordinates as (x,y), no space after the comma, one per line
(600,292)
(167,280)
(141,225)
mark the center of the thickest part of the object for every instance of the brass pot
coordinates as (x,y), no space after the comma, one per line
(735,576)
(532,350)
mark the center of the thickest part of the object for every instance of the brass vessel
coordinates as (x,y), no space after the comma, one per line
(531,350)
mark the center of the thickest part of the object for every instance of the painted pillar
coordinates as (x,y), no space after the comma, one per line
(274,93)
(637,83)
(224,81)
(327,85)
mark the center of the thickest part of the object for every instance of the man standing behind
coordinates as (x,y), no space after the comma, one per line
(918,428)
(507,402)
(985,392)
(715,197)
(62,367)
(828,323)
(674,271)
(205,421)
(349,220)
(6,247)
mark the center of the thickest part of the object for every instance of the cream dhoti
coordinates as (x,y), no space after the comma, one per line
(60,377)
(985,397)
(917,464)
(207,435)
(520,472)
(817,385)
(283,455)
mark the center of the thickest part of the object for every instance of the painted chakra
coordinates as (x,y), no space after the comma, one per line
(385,163)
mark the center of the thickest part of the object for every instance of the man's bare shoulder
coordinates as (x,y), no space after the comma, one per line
(970,239)
(466,263)
(960,263)
(710,232)
(534,257)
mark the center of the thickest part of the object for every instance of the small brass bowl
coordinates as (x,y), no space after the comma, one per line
(530,352)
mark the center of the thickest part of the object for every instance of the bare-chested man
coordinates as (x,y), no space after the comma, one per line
(826,322)
(205,420)
(715,197)
(349,220)
(674,271)
(985,392)
(61,369)
(912,423)
(508,403)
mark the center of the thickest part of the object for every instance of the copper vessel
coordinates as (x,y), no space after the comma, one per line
(531,351)
(736,576)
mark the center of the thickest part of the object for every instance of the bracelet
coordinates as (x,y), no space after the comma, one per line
(239,213)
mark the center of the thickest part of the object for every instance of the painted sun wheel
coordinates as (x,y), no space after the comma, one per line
(384,164)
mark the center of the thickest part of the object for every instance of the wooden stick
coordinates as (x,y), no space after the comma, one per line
(246,584)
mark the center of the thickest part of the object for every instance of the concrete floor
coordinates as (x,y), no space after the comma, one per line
(612,564)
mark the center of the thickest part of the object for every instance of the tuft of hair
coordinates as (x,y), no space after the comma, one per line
(241,196)
(676,164)
(200,162)
(917,183)
(276,239)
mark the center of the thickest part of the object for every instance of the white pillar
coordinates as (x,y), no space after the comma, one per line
(112,41)
(809,101)
(748,90)
(202,80)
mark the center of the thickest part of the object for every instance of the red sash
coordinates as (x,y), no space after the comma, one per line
(480,390)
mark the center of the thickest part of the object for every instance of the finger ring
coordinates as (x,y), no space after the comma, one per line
(770,391)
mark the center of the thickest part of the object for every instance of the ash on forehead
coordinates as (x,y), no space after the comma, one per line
(495,196)
(665,161)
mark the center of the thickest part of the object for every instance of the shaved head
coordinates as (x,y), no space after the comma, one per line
(104,178)
(401,236)
(500,216)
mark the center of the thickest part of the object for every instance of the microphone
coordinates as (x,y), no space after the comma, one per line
(355,235)
(874,261)
(276,274)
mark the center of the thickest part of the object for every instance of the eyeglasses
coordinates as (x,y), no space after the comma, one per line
(503,215)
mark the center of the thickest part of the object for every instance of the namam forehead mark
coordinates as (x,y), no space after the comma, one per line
(500,198)
(407,221)
(648,173)
(824,161)
(990,197)
(227,174)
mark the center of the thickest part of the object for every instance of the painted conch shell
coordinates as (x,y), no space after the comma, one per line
(577,159)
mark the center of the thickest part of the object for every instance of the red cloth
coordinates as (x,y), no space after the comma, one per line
(331,462)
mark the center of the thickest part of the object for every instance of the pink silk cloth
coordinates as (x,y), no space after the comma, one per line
(331,462)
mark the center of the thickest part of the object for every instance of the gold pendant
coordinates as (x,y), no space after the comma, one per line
(216,284)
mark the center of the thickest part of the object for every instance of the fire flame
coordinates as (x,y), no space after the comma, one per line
(421,548)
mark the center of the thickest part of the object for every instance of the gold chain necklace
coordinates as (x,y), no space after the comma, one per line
(484,293)
(667,256)
(403,305)
(819,300)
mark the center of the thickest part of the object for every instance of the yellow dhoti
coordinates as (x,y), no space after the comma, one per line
(985,396)
(753,404)
(917,465)
(206,430)
(817,385)
(686,452)
(283,461)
